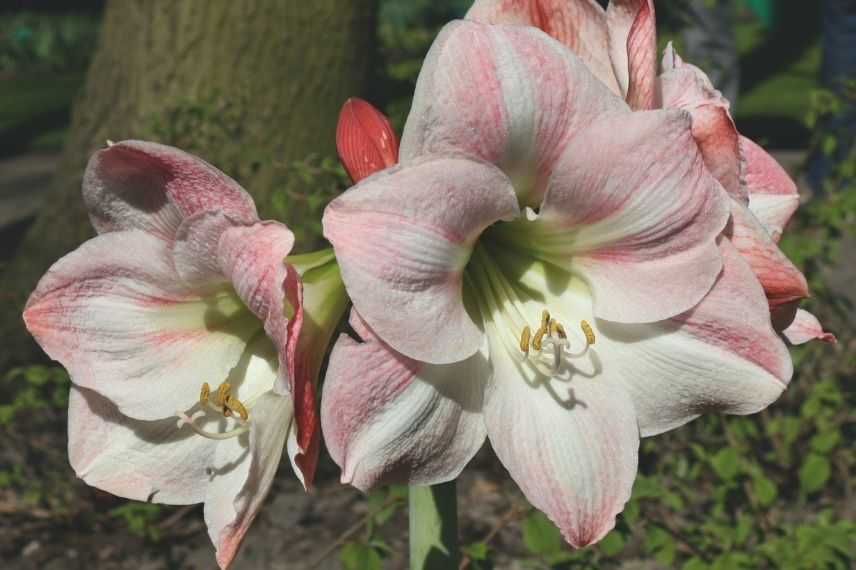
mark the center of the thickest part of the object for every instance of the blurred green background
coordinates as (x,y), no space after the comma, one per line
(774,490)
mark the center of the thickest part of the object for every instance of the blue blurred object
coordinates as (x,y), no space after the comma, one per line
(777,15)
(22,34)
(838,40)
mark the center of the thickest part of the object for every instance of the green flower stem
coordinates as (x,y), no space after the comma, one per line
(434,527)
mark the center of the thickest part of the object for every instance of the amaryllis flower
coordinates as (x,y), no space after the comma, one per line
(544,268)
(619,45)
(178,325)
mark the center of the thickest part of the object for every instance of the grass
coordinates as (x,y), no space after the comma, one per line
(35,111)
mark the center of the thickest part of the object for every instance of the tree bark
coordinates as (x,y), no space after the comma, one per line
(250,86)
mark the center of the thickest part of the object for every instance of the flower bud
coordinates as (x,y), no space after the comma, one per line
(365,139)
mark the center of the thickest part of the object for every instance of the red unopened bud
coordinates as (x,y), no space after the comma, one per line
(365,139)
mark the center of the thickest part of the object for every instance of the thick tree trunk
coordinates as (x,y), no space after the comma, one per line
(251,86)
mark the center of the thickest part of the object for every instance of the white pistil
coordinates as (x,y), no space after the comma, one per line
(226,404)
(184,419)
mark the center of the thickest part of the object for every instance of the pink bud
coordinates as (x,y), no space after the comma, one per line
(365,139)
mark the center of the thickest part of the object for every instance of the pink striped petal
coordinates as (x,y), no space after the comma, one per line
(571,448)
(402,238)
(250,256)
(773,196)
(684,86)
(721,356)
(507,94)
(153,187)
(783,283)
(140,460)
(804,328)
(631,203)
(389,419)
(632,40)
(579,24)
(242,474)
(117,315)
(211,247)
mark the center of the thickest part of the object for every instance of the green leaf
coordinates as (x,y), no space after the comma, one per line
(386,513)
(726,463)
(37,375)
(476,550)
(743,529)
(631,510)
(356,556)
(613,543)
(694,563)
(661,544)
(645,487)
(674,500)
(814,473)
(828,144)
(790,430)
(765,490)
(540,535)
(825,442)
(486,562)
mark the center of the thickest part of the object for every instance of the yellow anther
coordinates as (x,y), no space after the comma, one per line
(204,393)
(560,330)
(236,405)
(545,319)
(524,338)
(226,411)
(554,326)
(587,331)
(222,392)
(539,334)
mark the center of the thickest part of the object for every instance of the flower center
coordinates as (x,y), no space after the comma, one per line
(509,288)
(222,402)
(550,344)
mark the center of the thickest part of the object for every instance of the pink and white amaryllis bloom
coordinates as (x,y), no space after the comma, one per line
(619,45)
(178,325)
(544,268)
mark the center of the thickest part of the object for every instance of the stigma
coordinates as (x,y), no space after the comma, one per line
(547,348)
(221,402)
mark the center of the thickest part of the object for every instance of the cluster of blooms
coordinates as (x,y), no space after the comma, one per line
(571,252)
